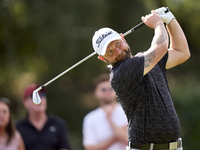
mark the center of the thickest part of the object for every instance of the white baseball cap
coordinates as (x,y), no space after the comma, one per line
(102,38)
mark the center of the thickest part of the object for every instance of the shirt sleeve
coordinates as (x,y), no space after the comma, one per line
(163,62)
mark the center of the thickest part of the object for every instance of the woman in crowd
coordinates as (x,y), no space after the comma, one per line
(10,139)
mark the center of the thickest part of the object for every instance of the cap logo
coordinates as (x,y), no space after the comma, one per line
(101,37)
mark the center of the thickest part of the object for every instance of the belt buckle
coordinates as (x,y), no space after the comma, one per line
(175,145)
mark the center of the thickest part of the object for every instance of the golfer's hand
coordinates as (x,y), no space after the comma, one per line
(166,17)
(152,20)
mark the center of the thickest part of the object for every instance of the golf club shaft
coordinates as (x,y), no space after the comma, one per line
(134,28)
(78,63)
(61,74)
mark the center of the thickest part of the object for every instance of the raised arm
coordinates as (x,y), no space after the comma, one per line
(159,44)
(178,50)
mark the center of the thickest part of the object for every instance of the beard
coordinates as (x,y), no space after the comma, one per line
(126,53)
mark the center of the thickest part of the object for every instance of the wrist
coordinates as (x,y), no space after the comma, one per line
(168,18)
(160,23)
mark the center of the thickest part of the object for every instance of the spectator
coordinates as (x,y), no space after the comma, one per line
(10,139)
(41,130)
(105,128)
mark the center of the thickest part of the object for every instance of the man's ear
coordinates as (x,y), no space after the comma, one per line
(101,58)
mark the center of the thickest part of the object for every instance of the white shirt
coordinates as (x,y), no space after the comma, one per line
(96,127)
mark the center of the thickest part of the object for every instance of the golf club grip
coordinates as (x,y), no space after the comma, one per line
(140,25)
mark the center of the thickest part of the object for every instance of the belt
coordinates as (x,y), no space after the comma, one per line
(152,146)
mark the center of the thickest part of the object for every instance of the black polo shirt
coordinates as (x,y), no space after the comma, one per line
(53,136)
(146,101)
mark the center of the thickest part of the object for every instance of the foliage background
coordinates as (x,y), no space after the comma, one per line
(40,39)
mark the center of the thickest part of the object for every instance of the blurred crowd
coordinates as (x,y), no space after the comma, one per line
(103,128)
(38,130)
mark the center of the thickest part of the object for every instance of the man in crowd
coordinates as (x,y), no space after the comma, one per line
(105,128)
(41,130)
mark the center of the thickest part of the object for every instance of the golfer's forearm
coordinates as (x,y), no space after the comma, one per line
(160,39)
(158,48)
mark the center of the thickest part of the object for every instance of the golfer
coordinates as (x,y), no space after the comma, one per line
(140,81)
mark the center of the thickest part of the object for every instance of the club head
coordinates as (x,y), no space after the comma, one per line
(36,97)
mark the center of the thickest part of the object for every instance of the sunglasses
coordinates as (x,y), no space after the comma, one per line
(104,89)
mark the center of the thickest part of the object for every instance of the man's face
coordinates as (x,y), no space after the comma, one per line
(104,93)
(117,51)
(32,108)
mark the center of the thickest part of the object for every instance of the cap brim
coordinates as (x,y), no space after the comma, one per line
(103,51)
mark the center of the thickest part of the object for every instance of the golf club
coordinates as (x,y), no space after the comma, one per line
(36,97)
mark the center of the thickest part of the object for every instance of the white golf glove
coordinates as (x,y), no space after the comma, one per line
(166,17)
